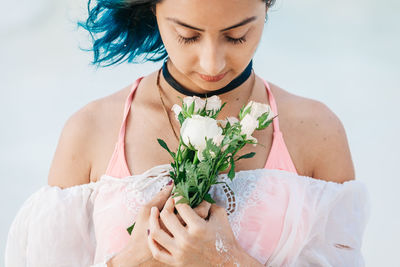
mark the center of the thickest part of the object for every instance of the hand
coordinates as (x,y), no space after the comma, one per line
(202,210)
(136,251)
(200,242)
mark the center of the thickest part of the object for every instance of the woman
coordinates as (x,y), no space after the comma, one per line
(294,205)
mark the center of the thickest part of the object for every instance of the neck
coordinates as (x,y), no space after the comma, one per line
(235,97)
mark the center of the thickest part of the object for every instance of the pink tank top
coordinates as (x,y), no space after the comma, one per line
(278,158)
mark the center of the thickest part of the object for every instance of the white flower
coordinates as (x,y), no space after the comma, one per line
(217,140)
(213,103)
(198,103)
(231,120)
(258,109)
(197,128)
(249,124)
(176,109)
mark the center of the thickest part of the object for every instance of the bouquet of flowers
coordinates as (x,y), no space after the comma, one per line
(208,146)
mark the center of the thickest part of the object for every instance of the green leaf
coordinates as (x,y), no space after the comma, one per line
(163,144)
(208,198)
(203,169)
(241,112)
(231,173)
(265,124)
(192,199)
(181,118)
(182,201)
(244,111)
(191,109)
(223,166)
(247,156)
(130,228)
(263,117)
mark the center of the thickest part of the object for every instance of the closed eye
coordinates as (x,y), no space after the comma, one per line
(191,40)
(236,40)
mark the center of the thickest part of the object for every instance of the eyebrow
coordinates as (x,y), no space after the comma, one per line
(245,21)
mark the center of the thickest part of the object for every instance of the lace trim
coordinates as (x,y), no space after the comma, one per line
(143,188)
(235,196)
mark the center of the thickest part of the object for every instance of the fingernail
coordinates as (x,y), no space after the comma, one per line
(170,182)
(148,231)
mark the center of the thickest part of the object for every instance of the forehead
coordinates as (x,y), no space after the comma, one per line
(211,14)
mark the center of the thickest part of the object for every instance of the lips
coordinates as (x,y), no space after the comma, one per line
(212,78)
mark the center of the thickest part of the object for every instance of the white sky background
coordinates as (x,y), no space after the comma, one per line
(343,53)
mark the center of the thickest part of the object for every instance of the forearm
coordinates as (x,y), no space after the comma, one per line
(127,258)
(242,258)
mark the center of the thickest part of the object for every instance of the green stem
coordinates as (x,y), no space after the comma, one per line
(195,159)
(178,155)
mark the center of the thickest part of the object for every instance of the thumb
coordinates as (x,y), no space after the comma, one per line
(162,196)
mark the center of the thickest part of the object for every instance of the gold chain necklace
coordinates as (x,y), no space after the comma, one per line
(163,104)
(165,109)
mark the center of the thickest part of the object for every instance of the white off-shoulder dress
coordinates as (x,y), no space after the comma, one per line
(278,217)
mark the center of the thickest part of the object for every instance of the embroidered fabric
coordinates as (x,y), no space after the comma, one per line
(272,212)
(235,196)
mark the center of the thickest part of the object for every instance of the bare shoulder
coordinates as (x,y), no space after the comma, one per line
(319,135)
(78,145)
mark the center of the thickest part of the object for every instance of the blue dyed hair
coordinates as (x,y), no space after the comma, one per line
(125,30)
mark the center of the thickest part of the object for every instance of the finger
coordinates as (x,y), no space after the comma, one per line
(158,254)
(188,214)
(181,220)
(162,196)
(157,251)
(203,209)
(216,212)
(162,238)
(171,221)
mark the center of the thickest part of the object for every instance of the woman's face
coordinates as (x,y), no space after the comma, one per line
(210,42)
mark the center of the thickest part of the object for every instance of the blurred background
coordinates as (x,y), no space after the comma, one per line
(343,53)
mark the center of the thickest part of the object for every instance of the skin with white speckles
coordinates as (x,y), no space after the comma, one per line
(219,245)
(222,249)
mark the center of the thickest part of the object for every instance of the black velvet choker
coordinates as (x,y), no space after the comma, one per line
(229,87)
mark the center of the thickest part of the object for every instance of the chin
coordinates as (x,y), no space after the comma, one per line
(211,86)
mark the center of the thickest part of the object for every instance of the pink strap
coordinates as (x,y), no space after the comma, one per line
(274,109)
(128,103)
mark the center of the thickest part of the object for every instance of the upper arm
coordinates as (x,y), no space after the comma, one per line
(71,163)
(331,153)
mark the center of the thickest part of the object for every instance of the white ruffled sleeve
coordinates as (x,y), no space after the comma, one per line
(324,222)
(54,227)
(335,237)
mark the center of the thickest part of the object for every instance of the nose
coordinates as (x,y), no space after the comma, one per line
(212,59)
